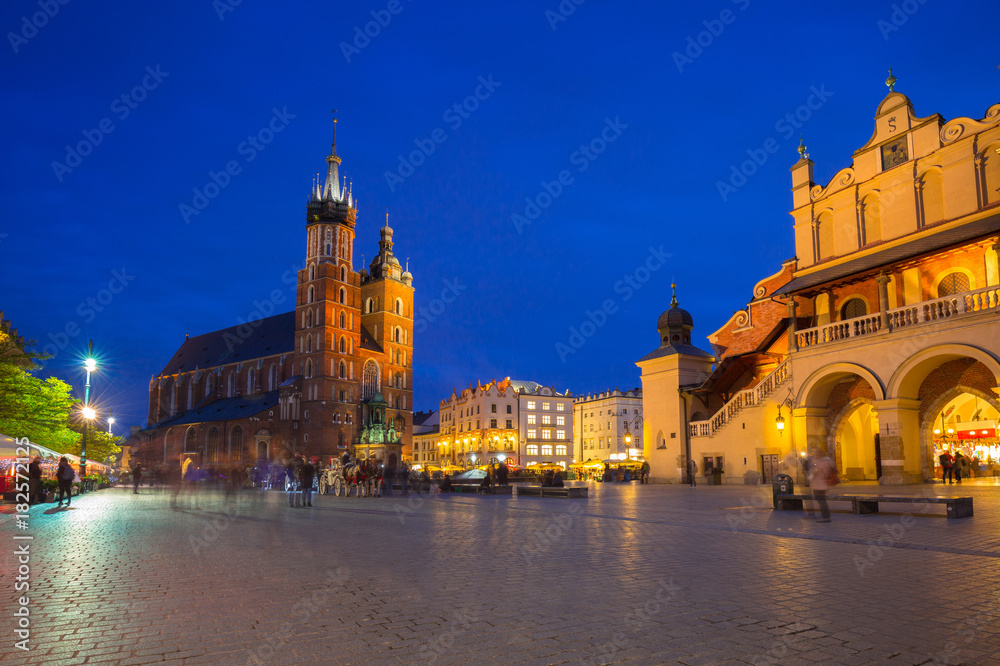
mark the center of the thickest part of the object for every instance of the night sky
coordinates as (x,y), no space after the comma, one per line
(584,146)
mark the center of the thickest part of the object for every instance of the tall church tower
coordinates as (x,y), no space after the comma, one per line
(328,323)
(387,316)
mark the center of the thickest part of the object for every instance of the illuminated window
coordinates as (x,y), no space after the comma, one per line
(546,449)
(531,419)
(560,420)
(546,419)
(532,449)
(560,407)
(546,406)
(560,434)
(532,433)
(546,434)
(561,450)
(531,404)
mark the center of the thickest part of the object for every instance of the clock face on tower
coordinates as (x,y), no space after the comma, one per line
(894,154)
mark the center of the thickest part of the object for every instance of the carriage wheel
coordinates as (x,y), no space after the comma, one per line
(322,485)
(338,486)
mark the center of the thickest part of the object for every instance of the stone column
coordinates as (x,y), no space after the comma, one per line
(899,440)
(993,264)
(793,343)
(808,431)
(883,300)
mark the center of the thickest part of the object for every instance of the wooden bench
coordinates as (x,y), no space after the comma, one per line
(541,491)
(956,507)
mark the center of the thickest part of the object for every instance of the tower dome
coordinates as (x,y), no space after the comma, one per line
(675,324)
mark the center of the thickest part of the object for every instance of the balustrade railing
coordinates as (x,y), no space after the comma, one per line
(740,401)
(956,305)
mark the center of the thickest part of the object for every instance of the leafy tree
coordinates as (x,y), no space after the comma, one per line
(38,409)
(100,447)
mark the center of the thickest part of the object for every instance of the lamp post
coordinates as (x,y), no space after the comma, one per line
(90,365)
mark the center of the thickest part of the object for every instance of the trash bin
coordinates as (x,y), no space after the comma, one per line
(782,485)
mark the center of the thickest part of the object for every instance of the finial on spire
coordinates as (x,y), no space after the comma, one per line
(891,81)
(802,149)
(187,333)
(334,146)
(673,295)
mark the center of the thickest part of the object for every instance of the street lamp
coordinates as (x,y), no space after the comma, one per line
(628,442)
(90,365)
(779,422)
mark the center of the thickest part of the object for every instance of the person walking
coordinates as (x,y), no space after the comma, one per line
(821,474)
(644,472)
(947,467)
(959,466)
(306,475)
(502,473)
(65,475)
(136,478)
(292,482)
(692,472)
(35,481)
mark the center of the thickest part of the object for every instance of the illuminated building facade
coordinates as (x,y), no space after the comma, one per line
(602,421)
(518,421)
(333,375)
(876,341)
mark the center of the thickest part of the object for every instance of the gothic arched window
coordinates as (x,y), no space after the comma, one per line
(312,295)
(343,296)
(343,274)
(343,345)
(369,306)
(309,368)
(399,306)
(370,380)
(343,370)
(212,452)
(343,320)
(232,385)
(272,378)
(236,444)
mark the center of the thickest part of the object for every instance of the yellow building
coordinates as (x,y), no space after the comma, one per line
(879,342)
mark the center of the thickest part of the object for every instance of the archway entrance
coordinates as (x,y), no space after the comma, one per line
(837,414)
(964,421)
(857,443)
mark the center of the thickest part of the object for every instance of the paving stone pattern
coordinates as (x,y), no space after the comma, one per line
(632,575)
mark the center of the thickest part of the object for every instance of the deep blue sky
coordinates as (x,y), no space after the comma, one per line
(654,185)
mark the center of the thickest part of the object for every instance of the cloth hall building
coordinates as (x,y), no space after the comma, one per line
(334,375)
(879,342)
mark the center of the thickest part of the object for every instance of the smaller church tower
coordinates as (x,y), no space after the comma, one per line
(668,374)
(387,315)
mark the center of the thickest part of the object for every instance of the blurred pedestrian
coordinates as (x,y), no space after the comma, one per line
(136,478)
(692,469)
(502,471)
(35,481)
(960,466)
(306,475)
(65,476)
(947,467)
(644,472)
(821,478)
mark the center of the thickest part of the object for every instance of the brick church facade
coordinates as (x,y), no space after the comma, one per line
(334,375)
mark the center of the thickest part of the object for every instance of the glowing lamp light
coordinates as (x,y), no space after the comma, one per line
(90,364)
(501,457)
(89,413)
(937,431)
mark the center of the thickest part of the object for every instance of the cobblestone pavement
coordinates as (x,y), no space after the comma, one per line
(634,574)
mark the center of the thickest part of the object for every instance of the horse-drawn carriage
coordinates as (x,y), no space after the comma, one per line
(363,477)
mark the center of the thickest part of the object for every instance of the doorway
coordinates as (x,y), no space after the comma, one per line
(769,466)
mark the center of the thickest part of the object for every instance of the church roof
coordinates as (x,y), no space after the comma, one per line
(224,409)
(268,336)
(522,386)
